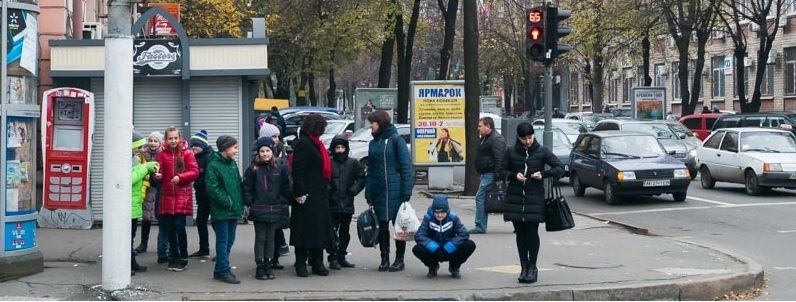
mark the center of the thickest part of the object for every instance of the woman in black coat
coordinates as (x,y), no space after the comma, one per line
(310,222)
(524,167)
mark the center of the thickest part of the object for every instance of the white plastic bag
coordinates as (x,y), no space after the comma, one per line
(406,223)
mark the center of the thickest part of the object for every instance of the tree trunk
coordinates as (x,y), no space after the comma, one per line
(740,72)
(598,83)
(400,44)
(645,53)
(471,95)
(508,91)
(331,99)
(682,73)
(766,41)
(385,67)
(303,100)
(528,90)
(311,95)
(403,84)
(690,106)
(450,32)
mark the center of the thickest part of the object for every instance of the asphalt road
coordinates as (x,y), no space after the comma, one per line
(760,227)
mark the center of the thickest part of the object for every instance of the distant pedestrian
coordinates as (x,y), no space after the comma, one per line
(310,220)
(670,117)
(154,143)
(202,151)
(266,191)
(705,109)
(279,119)
(141,170)
(524,164)
(716,109)
(223,183)
(442,237)
(178,169)
(557,113)
(348,179)
(606,109)
(389,183)
(488,159)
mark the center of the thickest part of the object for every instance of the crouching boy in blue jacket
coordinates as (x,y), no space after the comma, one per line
(442,237)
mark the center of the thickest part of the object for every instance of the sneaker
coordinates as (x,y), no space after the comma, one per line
(139,269)
(284,250)
(454,270)
(199,254)
(477,231)
(177,265)
(228,278)
(432,271)
(162,260)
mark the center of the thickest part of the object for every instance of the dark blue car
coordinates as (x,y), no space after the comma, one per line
(626,163)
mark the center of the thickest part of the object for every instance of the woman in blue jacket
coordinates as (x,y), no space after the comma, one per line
(389,183)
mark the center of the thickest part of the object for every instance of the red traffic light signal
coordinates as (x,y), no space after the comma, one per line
(535,34)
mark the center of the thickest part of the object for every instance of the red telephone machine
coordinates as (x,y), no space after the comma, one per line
(67,130)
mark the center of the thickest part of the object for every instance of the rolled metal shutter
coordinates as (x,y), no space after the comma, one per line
(216,106)
(95,193)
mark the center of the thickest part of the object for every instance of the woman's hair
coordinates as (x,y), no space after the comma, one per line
(314,124)
(179,164)
(380,117)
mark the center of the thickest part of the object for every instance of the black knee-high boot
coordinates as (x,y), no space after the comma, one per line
(301,262)
(400,250)
(384,247)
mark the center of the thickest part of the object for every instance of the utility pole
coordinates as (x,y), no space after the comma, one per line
(547,139)
(116,243)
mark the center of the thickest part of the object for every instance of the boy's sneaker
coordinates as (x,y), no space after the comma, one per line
(162,260)
(177,265)
(199,254)
(228,278)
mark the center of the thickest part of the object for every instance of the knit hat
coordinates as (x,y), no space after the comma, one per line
(156,135)
(266,141)
(200,139)
(268,130)
(225,142)
(138,140)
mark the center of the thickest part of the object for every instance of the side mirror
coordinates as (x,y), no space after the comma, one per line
(683,136)
(672,152)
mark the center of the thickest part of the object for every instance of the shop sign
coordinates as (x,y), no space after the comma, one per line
(159,25)
(157,58)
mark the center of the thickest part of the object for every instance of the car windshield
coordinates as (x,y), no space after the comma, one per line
(624,112)
(661,131)
(681,129)
(362,135)
(792,116)
(335,128)
(635,146)
(570,128)
(559,137)
(770,142)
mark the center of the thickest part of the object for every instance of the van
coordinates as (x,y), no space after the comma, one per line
(777,120)
(700,124)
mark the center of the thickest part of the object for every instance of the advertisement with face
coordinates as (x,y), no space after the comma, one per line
(369,100)
(438,131)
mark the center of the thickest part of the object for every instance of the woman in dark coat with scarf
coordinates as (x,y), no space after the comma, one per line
(524,167)
(389,183)
(310,222)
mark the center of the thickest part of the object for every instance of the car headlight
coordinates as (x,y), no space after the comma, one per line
(772,167)
(620,176)
(681,173)
(693,153)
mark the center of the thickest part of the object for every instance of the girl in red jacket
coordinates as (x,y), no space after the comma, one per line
(178,170)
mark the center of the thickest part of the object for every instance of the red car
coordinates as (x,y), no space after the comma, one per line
(700,124)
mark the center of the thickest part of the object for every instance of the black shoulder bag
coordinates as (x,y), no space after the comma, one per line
(496,198)
(558,217)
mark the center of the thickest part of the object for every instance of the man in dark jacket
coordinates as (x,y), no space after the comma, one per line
(348,179)
(442,237)
(280,121)
(488,160)
(202,151)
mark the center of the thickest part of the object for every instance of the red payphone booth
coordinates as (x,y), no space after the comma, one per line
(67,130)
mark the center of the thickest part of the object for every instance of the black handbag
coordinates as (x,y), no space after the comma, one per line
(558,217)
(496,198)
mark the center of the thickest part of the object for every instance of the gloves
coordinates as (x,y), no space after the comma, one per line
(370,202)
(152,166)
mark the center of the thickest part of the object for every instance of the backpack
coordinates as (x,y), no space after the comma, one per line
(368,228)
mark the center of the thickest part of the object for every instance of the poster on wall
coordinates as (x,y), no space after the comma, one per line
(649,103)
(491,104)
(19,156)
(22,43)
(438,133)
(372,99)
(17,90)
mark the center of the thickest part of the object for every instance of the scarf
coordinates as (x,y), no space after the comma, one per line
(327,163)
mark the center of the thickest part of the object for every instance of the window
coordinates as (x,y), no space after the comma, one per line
(640,76)
(660,75)
(594,146)
(574,85)
(714,141)
(627,85)
(776,121)
(693,123)
(586,95)
(613,92)
(756,121)
(606,127)
(676,81)
(709,122)
(790,71)
(730,142)
(767,87)
(583,145)
(718,77)
(746,73)
(730,122)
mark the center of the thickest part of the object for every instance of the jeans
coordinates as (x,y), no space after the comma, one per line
(202,216)
(163,243)
(174,228)
(487,183)
(432,260)
(225,238)
(264,235)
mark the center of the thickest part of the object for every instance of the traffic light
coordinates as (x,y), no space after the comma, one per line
(556,31)
(535,32)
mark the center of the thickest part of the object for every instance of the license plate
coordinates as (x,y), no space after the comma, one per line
(793,176)
(656,183)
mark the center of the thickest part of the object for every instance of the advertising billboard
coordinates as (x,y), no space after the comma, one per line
(438,133)
(372,99)
(649,103)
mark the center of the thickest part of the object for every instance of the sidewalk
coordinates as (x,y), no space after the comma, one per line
(594,261)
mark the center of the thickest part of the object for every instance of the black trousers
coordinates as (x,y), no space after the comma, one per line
(527,234)
(174,227)
(202,217)
(279,240)
(341,235)
(433,259)
(384,241)
(146,226)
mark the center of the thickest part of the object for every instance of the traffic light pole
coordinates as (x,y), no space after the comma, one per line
(547,139)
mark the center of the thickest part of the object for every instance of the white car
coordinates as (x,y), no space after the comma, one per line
(333,128)
(760,158)
(359,142)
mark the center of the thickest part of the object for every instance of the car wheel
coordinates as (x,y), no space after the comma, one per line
(752,186)
(706,178)
(577,186)
(610,193)
(679,196)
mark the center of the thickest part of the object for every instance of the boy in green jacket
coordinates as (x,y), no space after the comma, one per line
(224,190)
(140,171)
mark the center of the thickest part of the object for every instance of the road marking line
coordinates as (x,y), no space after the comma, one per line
(653,210)
(786,231)
(740,205)
(785,268)
(710,201)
